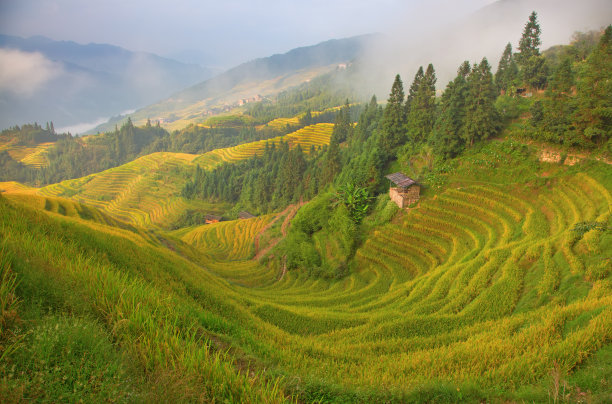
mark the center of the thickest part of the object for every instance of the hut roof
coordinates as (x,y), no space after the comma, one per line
(245,215)
(213,217)
(401,180)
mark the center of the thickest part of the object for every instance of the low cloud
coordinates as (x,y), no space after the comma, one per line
(442,35)
(23,73)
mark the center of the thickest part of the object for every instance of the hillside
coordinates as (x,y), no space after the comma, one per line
(250,81)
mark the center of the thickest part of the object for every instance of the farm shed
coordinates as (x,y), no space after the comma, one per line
(245,215)
(406,190)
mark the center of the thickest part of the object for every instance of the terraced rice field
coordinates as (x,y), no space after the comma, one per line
(313,135)
(144,191)
(31,156)
(13,186)
(232,240)
(282,123)
(483,285)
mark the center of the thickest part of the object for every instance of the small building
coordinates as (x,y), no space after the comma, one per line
(245,215)
(212,219)
(406,191)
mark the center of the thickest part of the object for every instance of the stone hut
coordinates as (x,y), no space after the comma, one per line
(406,190)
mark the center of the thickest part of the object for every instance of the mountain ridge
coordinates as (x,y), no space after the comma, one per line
(76,83)
(295,66)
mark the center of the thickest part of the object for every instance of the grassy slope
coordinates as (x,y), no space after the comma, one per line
(482,292)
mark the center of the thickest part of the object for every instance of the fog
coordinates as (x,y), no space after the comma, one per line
(447,42)
(23,73)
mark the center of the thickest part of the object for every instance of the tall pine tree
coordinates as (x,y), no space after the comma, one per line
(533,65)
(414,87)
(422,106)
(507,70)
(332,162)
(481,119)
(594,88)
(551,117)
(394,118)
(343,127)
(450,123)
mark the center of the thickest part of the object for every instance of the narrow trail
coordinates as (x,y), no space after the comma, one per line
(290,211)
(284,270)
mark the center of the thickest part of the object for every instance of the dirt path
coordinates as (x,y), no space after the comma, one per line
(266,227)
(290,211)
(284,270)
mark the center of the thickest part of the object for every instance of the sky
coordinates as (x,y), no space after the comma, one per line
(220,33)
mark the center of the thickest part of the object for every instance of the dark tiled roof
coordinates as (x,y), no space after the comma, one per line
(245,215)
(213,217)
(401,180)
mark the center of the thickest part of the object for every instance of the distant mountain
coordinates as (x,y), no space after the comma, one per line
(69,83)
(263,77)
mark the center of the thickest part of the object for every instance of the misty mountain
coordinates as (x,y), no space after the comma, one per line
(69,83)
(324,54)
(265,76)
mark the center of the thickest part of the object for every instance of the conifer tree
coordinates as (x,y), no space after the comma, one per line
(430,79)
(414,87)
(562,80)
(394,117)
(593,116)
(481,119)
(306,119)
(533,65)
(422,107)
(332,163)
(507,71)
(369,117)
(449,125)
(530,40)
(343,127)
(558,108)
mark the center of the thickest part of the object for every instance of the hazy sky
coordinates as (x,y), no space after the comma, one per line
(229,31)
